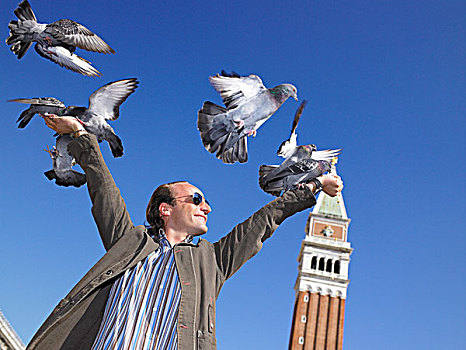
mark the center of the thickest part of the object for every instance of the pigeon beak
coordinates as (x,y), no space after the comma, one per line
(295,96)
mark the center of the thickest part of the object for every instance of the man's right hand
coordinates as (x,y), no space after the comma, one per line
(64,125)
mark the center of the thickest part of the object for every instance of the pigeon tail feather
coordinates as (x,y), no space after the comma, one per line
(274,187)
(205,121)
(17,40)
(216,138)
(265,170)
(237,153)
(116,146)
(24,12)
(25,118)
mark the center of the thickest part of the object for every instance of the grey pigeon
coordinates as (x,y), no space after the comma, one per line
(62,163)
(248,105)
(56,41)
(104,105)
(301,164)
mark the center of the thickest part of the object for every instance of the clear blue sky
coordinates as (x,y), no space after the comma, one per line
(385,81)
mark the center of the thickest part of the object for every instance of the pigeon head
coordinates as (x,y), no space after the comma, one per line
(283,91)
(310,148)
(324,166)
(290,90)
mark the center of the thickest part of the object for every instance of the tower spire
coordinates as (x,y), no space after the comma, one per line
(331,206)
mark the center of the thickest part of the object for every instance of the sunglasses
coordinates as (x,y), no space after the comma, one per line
(197,198)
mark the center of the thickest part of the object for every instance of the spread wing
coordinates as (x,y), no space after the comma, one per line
(73,33)
(106,101)
(235,89)
(65,58)
(297,116)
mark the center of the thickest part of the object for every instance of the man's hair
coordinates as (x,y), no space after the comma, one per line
(162,194)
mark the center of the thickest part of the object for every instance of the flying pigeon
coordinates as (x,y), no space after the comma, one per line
(248,105)
(62,163)
(301,164)
(104,104)
(56,41)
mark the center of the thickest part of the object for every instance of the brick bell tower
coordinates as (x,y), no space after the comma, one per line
(319,310)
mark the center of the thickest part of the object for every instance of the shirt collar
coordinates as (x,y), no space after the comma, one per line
(162,237)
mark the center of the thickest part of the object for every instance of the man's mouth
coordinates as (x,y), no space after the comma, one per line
(204,218)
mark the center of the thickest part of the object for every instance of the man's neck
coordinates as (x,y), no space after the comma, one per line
(175,237)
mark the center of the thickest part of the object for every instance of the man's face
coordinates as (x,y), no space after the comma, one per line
(185,215)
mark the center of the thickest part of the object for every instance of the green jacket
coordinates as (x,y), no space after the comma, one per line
(203,268)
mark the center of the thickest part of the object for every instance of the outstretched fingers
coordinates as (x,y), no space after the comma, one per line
(62,125)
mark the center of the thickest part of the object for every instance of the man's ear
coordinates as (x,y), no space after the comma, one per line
(165,209)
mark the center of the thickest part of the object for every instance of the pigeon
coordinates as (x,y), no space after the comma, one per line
(104,105)
(302,163)
(62,163)
(248,105)
(56,41)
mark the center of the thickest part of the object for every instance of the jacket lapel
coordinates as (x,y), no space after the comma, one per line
(132,247)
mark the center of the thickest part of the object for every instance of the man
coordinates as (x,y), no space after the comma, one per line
(155,288)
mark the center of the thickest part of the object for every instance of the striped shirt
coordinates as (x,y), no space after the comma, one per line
(142,307)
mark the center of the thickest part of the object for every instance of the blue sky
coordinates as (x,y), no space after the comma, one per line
(385,81)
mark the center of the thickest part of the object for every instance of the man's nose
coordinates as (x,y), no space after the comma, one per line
(205,208)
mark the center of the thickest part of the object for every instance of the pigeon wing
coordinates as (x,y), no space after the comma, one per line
(106,101)
(37,105)
(297,115)
(73,33)
(234,89)
(42,101)
(326,155)
(69,60)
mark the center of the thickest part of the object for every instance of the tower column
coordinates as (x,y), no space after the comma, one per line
(311,326)
(333,323)
(322,315)
(341,320)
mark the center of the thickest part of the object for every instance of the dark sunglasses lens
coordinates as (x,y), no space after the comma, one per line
(197,199)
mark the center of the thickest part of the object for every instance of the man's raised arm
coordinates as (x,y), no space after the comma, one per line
(108,207)
(246,239)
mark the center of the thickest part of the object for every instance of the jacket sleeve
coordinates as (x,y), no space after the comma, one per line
(246,239)
(108,207)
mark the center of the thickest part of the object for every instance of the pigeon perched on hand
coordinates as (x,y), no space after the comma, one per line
(62,163)
(248,105)
(104,104)
(56,41)
(301,164)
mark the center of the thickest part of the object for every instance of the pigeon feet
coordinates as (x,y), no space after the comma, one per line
(251,132)
(52,152)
